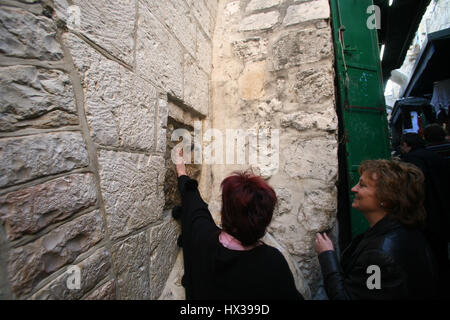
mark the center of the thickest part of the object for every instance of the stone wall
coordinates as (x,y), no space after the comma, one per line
(90,92)
(85,88)
(273,68)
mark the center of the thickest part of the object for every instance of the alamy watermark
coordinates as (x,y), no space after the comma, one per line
(257,147)
(374,20)
(73,281)
(373,281)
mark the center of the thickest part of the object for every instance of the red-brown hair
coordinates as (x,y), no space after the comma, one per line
(247,206)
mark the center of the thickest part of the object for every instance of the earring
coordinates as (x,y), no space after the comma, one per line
(381,204)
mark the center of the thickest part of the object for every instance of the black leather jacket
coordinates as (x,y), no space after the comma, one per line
(407,268)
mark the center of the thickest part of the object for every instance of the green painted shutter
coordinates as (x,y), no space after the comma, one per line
(362,105)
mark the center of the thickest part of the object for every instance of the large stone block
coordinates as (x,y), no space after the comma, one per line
(129,185)
(130,258)
(30,264)
(288,231)
(196,87)
(173,289)
(314,85)
(204,52)
(25,35)
(163,115)
(203,15)
(212,6)
(159,57)
(34,97)
(29,210)
(298,48)
(251,82)
(251,49)
(176,15)
(30,157)
(311,159)
(284,202)
(120,107)
(261,4)
(110,24)
(318,9)
(318,211)
(163,253)
(259,21)
(303,121)
(104,292)
(92,270)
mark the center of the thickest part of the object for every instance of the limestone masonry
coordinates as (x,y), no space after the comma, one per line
(90,92)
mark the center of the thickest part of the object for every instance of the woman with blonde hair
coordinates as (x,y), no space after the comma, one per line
(392,259)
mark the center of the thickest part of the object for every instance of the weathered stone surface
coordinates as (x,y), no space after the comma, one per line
(173,289)
(163,115)
(302,121)
(109,24)
(312,159)
(25,35)
(129,185)
(251,49)
(306,46)
(163,253)
(262,4)
(212,7)
(29,264)
(204,52)
(251,82)
(196,87)
(93,269)
(30,157)
(284,203)
(176,15)
(130,258)
(203,15)
(120,107)
(314,85)
(319,9)
(280,76)
(153,48)
(29,210)
(105,292)
(31,96)
(260,21)
(319,209)
(293,236)
(231,13)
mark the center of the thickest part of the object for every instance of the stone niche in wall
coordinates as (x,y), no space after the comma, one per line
(179,118)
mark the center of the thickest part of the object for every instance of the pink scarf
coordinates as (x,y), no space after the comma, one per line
(230,242)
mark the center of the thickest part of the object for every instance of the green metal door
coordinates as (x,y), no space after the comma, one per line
(361,98)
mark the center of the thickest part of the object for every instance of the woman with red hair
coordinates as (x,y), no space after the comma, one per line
(232,262)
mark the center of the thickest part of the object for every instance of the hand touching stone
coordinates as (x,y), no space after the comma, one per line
(179,163)
(322,243)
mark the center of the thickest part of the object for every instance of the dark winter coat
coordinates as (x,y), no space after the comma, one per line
(212,271)
(407,268)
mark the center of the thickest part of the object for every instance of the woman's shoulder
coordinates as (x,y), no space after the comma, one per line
(395,243)
(271,255)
